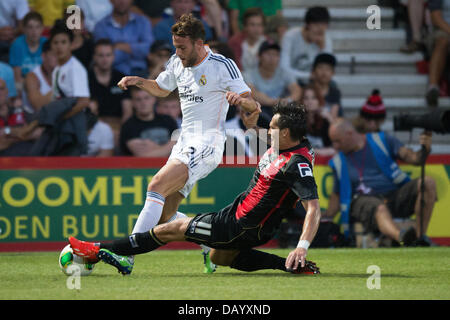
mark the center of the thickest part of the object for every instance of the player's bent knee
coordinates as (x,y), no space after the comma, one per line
(156,183)
(216,257)
(222,257)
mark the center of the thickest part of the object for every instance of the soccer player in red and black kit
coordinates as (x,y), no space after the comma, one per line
(283,177)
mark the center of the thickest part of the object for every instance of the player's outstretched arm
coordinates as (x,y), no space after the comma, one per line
(245,101)
(148,85)
(250,121)
(310,226)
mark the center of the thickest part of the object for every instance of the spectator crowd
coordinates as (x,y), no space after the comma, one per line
(59,93)
(42,61)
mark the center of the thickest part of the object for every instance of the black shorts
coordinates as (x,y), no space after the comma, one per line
(221,230)
(400,203)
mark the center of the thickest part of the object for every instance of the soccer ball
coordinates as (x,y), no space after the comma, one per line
(71,264)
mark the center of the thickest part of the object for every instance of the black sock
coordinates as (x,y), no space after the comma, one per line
(136,243)
(252,260)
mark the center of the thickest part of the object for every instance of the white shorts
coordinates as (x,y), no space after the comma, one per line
(200,157)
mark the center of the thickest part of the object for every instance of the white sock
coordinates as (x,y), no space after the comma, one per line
(177,215)
(151,213)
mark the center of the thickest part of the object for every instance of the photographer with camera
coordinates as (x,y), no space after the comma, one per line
(370,188)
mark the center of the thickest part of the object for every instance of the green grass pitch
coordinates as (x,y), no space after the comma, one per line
(405,273)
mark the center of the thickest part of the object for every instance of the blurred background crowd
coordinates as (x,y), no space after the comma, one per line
(281,58)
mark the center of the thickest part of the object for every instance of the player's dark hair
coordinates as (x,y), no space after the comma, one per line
(60,27)
(189,26)
(293,116)
(253,12)
(317,14)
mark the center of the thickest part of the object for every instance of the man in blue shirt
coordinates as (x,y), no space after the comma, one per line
(366,174)
(162,29)
(26,50)
(131,35)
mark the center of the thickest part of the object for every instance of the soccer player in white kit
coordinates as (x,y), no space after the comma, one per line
(207,84)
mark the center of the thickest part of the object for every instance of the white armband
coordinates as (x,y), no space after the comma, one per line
(303,244)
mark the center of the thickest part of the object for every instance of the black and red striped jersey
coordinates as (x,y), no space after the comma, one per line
(280,180)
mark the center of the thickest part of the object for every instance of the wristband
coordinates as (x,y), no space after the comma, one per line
(303,244)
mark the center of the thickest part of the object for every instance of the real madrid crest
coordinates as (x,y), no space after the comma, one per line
(202,80)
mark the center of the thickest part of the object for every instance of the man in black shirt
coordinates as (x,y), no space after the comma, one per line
(283,176)
(147,134)
(114,105)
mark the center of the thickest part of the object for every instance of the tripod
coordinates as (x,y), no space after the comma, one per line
(424,155)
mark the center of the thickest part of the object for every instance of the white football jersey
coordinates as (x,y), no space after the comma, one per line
(202,90)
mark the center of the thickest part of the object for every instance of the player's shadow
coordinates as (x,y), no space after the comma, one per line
(278,274)
(362,275)
(232,274)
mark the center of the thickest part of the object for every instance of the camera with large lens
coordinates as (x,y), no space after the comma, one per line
(437,121)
